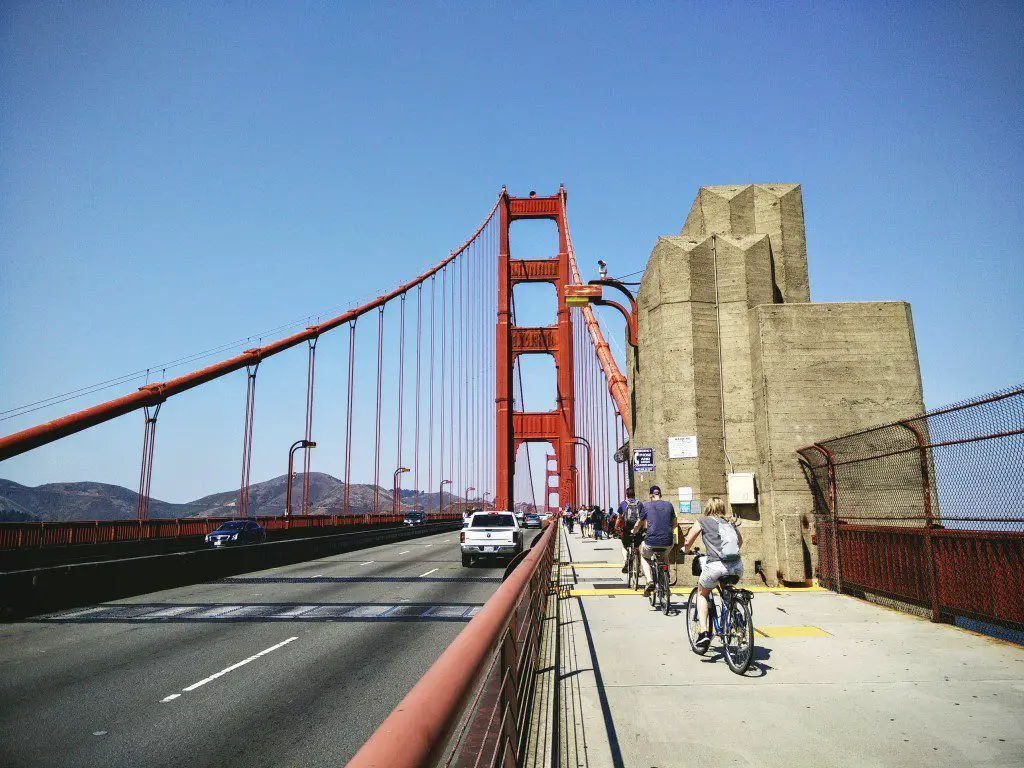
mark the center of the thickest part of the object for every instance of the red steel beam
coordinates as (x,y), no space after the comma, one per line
(153,394)
(617,386)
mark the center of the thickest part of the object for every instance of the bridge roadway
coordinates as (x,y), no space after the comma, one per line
(135,682)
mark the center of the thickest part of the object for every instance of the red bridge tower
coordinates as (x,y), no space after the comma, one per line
(555,427)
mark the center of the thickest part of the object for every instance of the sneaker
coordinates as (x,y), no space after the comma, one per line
(703,641)
(625,569)
(648,590)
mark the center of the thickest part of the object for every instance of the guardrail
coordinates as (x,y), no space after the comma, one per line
(69,533)
(471,706)
(927,510)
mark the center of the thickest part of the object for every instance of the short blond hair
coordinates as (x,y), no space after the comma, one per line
(717,508)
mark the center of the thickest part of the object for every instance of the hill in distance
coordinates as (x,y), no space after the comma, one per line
(101,501)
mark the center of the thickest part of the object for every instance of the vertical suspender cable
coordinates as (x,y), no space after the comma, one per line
(441,391)
(376,438)
(430,398)
(250,409)
(348,416)
(307,455)
(416,431)
(397,503)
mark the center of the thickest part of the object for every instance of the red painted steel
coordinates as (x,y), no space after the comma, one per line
(485,670)
(89,532)
(151,394)
(558,426)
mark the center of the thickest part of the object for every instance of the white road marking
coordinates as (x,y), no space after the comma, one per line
(368,562)
(428,572)
(428,545)
(318,576)
(404,552)
(296,611)
(233,667)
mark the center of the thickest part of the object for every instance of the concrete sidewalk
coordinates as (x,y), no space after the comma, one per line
(835,682)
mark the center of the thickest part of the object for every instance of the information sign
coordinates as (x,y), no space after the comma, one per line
(643,459)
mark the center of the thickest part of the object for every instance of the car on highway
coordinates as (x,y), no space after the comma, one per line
(236,532)
(415,518)
(532,520)
(490,534)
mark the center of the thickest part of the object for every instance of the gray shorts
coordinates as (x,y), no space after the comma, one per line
(647,552)
(714,571)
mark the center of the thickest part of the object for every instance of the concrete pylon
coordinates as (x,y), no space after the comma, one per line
(776,210)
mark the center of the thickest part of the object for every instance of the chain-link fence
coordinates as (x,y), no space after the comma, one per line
(927,510)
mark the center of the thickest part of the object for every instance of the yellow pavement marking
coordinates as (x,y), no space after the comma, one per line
(592,565)
(683,592)
(792,632)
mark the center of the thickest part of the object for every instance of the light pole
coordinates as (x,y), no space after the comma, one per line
(396,505)
(590,467)
(291,466)
(468,489)
(440,496)
(484,498)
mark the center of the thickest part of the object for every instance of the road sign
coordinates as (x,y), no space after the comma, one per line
(643,459)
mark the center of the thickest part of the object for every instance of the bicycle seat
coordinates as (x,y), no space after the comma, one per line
(729,581)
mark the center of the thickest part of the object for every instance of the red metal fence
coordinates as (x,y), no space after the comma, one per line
(928,510)
(471,706)
(61,534)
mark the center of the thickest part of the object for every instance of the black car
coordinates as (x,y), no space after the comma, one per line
(415,518)
(532,520)
(237,532)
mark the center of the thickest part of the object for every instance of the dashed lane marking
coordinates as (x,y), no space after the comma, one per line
(428,572)
(404,552)
(368,562)
(225,671)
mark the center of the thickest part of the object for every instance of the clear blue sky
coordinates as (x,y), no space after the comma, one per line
(174,176)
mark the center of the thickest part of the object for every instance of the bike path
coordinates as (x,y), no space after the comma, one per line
(835,681)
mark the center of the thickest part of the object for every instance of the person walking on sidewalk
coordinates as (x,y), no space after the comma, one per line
(659,519)
(597,518)
(722,544)
(628,514)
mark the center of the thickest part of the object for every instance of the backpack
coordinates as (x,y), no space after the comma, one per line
(730,542)
(632,512)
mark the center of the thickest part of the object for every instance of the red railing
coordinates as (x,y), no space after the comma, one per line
(927,510)
(470,707)
(62,534)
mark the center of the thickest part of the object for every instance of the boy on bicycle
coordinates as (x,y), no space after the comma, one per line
(659,518)
(722,542)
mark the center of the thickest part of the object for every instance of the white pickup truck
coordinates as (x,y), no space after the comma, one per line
(491,534)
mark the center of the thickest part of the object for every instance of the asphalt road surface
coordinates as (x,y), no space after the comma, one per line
(293,666)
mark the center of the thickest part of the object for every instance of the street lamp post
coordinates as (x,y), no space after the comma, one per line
(395,504)
(484,498)
(291,467)
(440,496)
(468,489)
(590,467)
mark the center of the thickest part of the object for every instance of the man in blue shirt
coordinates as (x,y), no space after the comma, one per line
(659,518)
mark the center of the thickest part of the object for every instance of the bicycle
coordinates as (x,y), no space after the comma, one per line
(633,571)
(661,595)
(732,621)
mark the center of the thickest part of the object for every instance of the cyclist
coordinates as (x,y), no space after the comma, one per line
(659,519)
(722,542)
(629,513)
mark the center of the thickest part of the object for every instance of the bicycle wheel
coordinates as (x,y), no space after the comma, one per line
(693,623)
(654,592)
(739,637)
(666,604)
(634,570)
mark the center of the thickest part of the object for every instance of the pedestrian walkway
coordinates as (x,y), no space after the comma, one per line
(835,682)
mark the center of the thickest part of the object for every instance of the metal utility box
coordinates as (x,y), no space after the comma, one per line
(741,488)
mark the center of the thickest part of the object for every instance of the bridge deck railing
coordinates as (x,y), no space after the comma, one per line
(22,535)
(927,510)
(470,708)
